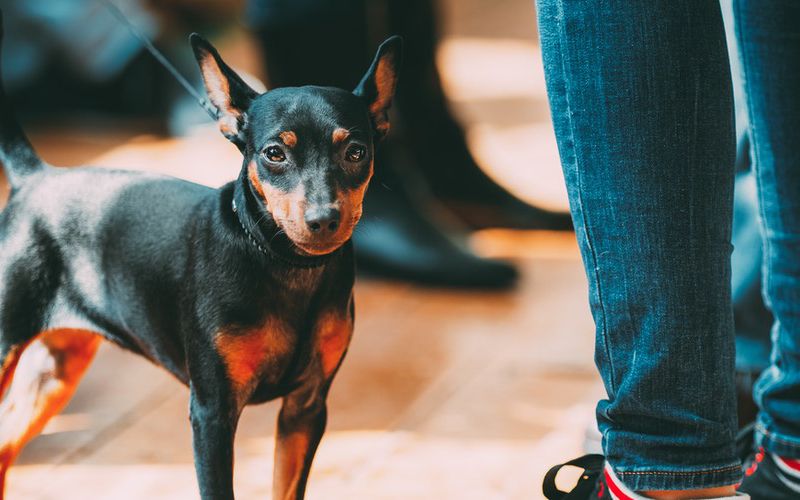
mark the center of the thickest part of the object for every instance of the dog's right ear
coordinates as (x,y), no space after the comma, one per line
(226,90)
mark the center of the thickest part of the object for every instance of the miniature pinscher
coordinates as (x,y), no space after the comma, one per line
(243,293)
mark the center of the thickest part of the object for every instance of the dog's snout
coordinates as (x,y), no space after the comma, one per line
(323,219)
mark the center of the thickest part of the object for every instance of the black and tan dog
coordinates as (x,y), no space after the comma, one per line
(244,293)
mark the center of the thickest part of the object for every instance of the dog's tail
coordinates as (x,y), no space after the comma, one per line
(16,153)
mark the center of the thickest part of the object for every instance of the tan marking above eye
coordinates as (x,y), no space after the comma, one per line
(289,138)
(340,135)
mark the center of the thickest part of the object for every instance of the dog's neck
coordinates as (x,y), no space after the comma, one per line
(263,232)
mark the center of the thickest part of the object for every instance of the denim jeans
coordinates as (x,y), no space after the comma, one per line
(641,100)
(768,33)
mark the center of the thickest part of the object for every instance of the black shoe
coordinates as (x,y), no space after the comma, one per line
(600,483)
(591,485)
(396,239)
(439,149)
(766,479)
(435,139)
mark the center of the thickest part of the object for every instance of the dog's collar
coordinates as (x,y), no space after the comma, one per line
(285,256)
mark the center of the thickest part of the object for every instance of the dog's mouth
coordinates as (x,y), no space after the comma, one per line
(307,250)
(310,245)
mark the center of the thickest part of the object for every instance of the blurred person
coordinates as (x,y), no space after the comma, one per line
(641,100)
(73,56)
(429,188)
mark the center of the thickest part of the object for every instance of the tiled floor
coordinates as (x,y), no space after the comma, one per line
(444,394)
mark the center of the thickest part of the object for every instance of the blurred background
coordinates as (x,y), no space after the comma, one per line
(471,368)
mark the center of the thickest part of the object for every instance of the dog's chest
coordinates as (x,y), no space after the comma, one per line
(261,356)
(258,353)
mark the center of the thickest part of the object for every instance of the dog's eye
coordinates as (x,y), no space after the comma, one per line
(355,153)
(274,154)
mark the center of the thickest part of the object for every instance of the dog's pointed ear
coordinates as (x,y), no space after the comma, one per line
(226,90)
(378,86)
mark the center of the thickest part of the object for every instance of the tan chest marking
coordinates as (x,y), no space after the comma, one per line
(333,335)
(245,352)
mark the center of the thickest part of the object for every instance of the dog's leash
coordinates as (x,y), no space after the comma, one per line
(213,112)
(120,16)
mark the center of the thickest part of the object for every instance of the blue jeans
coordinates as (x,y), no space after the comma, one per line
(769,33)
(641,99)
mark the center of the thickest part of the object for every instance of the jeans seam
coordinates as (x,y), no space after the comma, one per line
(679,473)
(574,160)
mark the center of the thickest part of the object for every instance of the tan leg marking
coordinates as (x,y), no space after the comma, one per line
(301,423)
(46,377)
(9,366)
(291,454)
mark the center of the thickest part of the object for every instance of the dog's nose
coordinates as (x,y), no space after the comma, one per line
(322,220)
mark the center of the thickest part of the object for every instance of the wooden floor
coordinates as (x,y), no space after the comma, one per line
(444,394)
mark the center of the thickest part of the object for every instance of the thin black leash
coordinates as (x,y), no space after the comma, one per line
(212,111)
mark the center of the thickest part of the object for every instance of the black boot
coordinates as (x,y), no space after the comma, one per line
(437,141)
(401,236)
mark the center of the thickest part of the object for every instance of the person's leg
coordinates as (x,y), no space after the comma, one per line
(641,99)
(769,39)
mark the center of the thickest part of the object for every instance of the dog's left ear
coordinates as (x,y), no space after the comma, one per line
(380,82)
(226,90)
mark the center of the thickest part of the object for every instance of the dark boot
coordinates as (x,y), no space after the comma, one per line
(437,141)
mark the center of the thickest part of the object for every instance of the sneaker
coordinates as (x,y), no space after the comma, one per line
(770,477)
(590,485)
(598,482)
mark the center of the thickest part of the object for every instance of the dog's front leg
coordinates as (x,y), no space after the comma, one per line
(214,421)
(301,424)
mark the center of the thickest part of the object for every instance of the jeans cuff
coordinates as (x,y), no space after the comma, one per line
(644,478)
(775,442)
